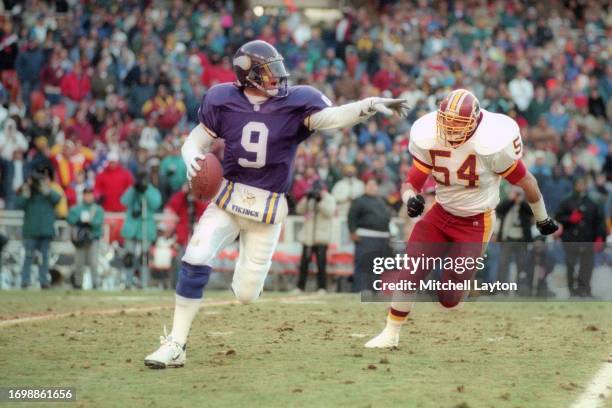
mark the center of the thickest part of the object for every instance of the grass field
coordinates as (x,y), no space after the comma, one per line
(303,351)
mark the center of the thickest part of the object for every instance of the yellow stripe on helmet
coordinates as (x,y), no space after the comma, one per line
(452,106)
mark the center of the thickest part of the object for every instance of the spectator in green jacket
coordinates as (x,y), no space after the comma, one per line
(139,229)
(173,171)
(87,220)
(37,200)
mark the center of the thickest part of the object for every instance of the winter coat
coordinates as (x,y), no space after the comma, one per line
(29,64)
(582,219)
(345,191)
(181,207)
(39,214)
(9,53)
(169,111)
(66,168)
(110,185)
(317,228)
(136,213)
(75,87)
(369,212)
(101,86)
(138,96)
(11,139)
(174,170)
(51,76)
(96,217)
(524,215)
(84,132)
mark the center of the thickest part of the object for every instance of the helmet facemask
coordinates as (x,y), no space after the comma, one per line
(271,73)
(453,129)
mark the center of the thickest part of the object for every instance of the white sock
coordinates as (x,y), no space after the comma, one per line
(394,322)
(185,310)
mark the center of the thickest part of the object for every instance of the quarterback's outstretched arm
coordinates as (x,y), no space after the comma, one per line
(196,145)
(350,114)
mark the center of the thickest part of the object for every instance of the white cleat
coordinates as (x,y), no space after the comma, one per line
(169,354)
(386,339)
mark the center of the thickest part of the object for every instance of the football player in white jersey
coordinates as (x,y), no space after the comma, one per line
(467,150)
(262,121)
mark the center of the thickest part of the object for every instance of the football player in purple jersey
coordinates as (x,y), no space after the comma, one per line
(262,121)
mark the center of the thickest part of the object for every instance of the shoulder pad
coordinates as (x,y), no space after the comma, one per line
(220,93)
(303,90)
(494,133)
(423,131)
(305,93)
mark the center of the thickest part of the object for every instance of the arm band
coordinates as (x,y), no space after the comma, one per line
(515,173)
(416,177)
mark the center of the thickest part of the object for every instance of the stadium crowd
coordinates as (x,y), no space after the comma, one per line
(102,93)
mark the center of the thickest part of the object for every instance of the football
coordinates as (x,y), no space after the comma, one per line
(207,181)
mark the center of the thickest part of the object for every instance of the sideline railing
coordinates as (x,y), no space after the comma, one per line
(12,221)
(286,258)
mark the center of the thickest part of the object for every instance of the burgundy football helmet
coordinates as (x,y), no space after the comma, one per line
(458,116)
(259,65)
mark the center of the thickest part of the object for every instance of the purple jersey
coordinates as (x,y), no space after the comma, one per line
(260,140)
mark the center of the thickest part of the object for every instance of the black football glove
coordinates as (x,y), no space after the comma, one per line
(415,206)
(547,227)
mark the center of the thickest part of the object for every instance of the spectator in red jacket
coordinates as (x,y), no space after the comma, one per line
(75,85)
(51,79)
(387,77)
(303,182)
(111,183)
(81,129)
(187,211)
(219,73)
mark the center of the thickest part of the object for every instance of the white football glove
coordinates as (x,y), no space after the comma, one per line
(192,163)
(197,143)
(388,106)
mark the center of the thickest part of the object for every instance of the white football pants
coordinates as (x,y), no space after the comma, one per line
(218,228)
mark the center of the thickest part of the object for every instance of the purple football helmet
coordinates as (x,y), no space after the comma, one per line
(257,63)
